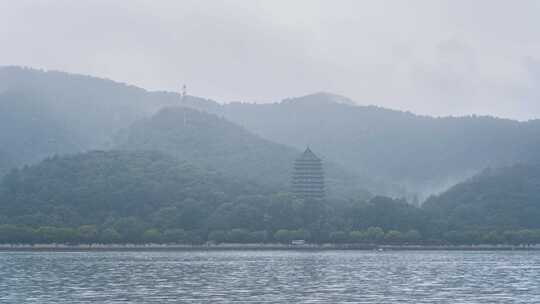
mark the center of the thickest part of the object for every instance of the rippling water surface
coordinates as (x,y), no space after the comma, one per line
(270,277)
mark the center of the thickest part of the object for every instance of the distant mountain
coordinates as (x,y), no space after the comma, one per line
(505,198)
(46,113)
(214,143)
(54,113)
(321,98)
(29,131)
(422,154)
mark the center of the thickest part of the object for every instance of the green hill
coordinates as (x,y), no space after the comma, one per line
(214,143)
(505,198)
(423,154)
(96,187)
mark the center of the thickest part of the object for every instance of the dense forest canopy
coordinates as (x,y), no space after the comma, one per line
(135,191)
(91,187)
(137,196)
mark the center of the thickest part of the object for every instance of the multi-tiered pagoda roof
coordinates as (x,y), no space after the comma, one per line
(308,176)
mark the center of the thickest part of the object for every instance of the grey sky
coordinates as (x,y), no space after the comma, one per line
(429,57)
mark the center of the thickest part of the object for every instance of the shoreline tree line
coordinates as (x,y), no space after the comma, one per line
(90,234)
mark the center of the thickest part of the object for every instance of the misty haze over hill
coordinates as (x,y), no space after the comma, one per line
(497,198)
(214,143)
(422,154)
(391,152)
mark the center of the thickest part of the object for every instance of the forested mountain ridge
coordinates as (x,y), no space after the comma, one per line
(214,143)
(424,154)
(48,113)
(54,113)
(43,113)
(502,198)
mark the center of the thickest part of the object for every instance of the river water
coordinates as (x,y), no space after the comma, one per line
(270,277)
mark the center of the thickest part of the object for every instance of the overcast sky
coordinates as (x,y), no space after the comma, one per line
(428,57)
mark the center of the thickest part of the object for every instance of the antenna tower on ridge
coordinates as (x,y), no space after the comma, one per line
(184,92)
(183,97)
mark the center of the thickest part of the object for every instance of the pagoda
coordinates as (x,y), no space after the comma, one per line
(308,176)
